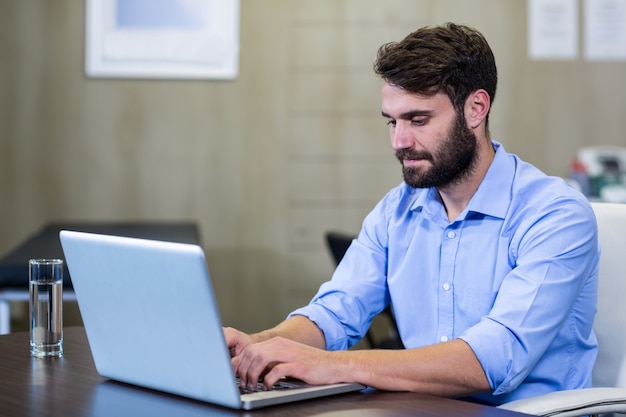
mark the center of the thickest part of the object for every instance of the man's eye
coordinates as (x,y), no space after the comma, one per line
(391,122)
(418,122)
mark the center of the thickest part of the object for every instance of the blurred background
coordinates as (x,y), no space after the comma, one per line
(268,162)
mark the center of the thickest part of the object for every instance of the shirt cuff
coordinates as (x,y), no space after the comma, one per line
(495,347)
(334,335)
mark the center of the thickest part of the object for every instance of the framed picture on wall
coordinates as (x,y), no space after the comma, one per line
(176,39)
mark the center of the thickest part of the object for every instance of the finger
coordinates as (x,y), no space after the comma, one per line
(256,360)
(275,374)
(252,364)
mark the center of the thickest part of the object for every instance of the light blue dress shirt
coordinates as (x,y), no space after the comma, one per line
(514,276)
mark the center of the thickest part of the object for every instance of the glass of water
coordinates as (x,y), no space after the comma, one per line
(46,307)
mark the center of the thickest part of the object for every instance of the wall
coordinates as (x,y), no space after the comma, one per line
(268,162)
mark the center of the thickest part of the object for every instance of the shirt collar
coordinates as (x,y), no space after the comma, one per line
(493,195)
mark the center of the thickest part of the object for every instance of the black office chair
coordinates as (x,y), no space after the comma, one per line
(338,244)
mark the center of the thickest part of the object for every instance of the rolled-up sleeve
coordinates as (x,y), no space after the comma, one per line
(344,307)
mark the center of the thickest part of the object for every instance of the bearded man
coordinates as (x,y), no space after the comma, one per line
(490,265)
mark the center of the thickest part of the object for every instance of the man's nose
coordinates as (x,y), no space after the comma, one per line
(401,137)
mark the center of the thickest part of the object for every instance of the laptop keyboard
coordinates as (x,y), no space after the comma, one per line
(280,385)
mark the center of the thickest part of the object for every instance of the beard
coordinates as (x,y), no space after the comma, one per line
(453,160)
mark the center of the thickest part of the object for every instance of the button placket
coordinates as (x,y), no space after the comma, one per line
(449,247)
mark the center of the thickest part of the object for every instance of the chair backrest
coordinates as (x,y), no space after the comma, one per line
(338,244)
(610,323)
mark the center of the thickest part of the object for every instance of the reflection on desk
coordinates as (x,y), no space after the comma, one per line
(70,386)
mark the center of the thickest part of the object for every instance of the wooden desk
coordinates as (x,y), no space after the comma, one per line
(70,387)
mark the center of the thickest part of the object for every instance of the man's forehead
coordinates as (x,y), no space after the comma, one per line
(398,100)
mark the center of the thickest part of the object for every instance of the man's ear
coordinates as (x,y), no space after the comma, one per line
(477,108)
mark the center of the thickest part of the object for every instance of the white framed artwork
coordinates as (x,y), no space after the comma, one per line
(175,39)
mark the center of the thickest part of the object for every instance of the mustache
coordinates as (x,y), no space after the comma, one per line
(403,154)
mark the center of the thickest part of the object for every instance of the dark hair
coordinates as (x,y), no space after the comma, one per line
(453,59)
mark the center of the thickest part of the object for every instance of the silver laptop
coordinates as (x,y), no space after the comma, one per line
(151,320)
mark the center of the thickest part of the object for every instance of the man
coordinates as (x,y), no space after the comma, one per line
(490,265)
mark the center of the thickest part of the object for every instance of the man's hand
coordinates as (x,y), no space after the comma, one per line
(295,348)
(279,357)
(236,340)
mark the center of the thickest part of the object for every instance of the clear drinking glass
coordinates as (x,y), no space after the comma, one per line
(46,307)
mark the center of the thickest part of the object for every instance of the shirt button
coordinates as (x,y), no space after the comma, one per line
(451,234)
(444,338)
(446,286)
